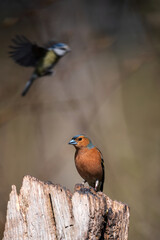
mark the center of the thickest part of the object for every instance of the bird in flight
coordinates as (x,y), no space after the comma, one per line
(43,59)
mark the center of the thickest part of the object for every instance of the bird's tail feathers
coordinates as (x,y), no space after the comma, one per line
(29,83)
(101,187)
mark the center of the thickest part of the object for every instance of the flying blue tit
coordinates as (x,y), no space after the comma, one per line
(43,59)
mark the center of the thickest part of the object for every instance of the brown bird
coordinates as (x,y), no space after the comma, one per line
(89,161)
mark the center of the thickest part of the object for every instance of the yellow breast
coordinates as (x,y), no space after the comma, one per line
(46,62)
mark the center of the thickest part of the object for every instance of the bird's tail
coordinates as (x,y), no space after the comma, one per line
(29,83)
(101,187)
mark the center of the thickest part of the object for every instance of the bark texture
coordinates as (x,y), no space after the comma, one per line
(47,211)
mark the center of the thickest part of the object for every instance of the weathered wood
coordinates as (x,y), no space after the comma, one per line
(47,211)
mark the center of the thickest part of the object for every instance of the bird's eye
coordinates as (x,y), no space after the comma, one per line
(79,139)
(63,49)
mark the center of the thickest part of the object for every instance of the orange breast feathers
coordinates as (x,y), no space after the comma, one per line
(88,164)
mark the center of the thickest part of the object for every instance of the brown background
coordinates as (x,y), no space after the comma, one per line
(108,88)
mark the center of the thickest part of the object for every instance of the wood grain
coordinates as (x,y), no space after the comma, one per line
(47,211)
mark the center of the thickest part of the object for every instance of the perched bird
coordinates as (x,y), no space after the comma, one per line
(43,59)
(89,161)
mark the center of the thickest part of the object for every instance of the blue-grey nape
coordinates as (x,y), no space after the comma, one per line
(59,45)
(78,136)
(90,145)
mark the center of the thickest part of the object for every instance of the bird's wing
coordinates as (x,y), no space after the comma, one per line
(102,164)
(25,52)
(103,170)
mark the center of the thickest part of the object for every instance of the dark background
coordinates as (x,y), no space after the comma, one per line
(108,88)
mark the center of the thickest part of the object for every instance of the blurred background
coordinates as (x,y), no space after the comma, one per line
(108,88)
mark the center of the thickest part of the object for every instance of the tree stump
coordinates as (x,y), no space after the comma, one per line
(48,211)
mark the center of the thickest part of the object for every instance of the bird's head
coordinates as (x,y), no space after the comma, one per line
(81,141)
(60,49)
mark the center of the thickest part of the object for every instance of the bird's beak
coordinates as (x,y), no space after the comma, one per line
(73,142)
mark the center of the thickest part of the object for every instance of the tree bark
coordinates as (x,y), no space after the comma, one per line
(48,211)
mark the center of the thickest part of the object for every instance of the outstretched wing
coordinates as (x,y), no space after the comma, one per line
(25,52)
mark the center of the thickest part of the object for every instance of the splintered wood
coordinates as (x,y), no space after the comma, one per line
(47,211)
